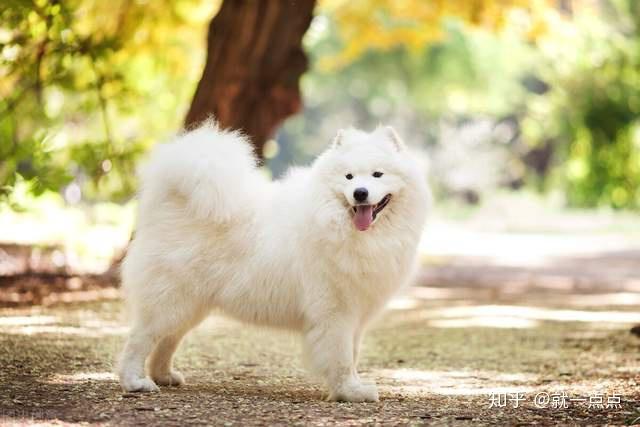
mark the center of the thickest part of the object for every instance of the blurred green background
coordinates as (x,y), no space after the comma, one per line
(541,96)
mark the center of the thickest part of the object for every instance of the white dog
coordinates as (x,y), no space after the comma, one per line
(319,252)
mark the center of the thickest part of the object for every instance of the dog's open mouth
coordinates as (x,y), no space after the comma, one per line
(364,215)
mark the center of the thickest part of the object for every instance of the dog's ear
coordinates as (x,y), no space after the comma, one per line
(394,137)
(337,141)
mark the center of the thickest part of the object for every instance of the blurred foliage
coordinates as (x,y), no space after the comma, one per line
(591,113)
(509,93)
(87,86)
(413,24)
(549,100)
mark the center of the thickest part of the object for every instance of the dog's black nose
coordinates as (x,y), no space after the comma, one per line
(360,194)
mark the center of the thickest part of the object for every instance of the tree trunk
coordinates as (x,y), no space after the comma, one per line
(254,63)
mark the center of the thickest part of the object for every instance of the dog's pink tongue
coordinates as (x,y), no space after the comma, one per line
(363,217)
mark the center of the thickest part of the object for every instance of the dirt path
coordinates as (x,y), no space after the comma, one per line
(438,355)
(521,311)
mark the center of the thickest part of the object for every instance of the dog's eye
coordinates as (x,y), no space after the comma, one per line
(377,174)
(348,176)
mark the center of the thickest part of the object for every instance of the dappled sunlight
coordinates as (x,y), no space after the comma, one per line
(54,325)
(629,369)
(608,299)
(535,313)
(103,331)
(458,382)
(416,296)
(27,320)
(465,314)
(81,377)
(506,322)
(414,374)
(402,303)
(483,383)
(431,293)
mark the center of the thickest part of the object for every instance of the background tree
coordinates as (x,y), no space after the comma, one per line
(254,62)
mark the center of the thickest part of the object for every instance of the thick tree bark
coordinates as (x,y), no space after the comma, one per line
(254,63)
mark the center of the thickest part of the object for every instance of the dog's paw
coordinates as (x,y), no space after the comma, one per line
(173,378)
(355,393)
(140,385)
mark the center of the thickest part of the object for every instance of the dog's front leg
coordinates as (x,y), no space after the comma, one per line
(330,347)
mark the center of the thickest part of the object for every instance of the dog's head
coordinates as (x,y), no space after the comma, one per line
(370,174)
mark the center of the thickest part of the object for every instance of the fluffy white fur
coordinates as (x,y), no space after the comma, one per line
(213,232)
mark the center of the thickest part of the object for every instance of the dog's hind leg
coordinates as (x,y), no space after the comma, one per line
(161,359)
(156,320)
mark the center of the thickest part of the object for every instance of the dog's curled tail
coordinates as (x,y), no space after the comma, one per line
(208,170)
